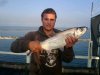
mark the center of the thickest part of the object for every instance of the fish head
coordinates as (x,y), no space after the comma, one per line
(79,31)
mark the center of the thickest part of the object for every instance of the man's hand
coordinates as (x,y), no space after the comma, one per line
(35,46)
(70,41)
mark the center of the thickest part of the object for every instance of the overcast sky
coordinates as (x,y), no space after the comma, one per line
(70,13)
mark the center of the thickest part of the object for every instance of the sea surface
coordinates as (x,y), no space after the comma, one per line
(80,48)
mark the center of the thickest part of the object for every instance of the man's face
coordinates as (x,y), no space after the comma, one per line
(48,21)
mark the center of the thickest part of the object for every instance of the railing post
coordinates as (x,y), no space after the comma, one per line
(98,52)
(98,45)
(28,55)
(90,54)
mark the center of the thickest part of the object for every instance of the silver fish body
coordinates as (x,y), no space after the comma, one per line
(58,40)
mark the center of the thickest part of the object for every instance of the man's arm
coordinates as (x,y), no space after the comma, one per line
(68,54)
(21,44)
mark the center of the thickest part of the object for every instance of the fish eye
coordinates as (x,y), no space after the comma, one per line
(77,28)
(81,29)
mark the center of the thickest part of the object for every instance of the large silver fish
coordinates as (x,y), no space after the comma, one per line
(58,40)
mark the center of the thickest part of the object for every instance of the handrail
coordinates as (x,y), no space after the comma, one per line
(86,57)
(11,53)
(89,57)
(27,54)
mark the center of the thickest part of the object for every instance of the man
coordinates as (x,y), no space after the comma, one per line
(42,62)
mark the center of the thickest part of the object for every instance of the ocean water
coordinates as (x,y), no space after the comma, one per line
(80,48)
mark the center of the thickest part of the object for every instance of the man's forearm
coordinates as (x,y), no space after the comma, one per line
(68,54)
(19,45)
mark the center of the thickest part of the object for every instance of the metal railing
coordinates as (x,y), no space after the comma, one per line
(89,57)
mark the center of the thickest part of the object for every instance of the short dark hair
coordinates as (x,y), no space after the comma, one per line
(49,10)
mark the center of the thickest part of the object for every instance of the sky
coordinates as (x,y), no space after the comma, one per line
(70,13)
